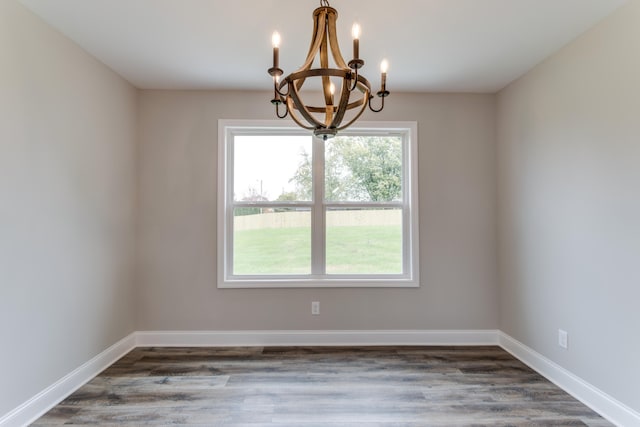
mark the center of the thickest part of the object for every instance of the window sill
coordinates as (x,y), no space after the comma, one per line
(325,283)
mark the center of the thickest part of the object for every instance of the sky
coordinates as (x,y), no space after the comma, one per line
(268,162)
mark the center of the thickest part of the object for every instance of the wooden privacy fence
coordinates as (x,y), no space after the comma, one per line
(297,219)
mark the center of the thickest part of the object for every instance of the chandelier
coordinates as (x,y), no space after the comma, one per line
(326,113)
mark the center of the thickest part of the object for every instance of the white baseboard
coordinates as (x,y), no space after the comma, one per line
(605,405)
(314,338)
(608,407)
(35,407)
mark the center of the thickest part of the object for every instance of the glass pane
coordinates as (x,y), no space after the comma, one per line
(363,168)
(271,241)
(364,241)
(270,168)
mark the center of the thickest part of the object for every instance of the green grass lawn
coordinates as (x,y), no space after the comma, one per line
(350,250)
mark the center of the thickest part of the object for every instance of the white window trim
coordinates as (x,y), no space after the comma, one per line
(411,255)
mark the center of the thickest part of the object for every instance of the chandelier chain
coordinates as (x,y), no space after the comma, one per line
(324,3)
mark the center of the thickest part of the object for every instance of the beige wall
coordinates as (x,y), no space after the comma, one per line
(67,187)
(569,206)
(177,240)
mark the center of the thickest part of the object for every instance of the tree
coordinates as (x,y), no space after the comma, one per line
(252,194)
(339,179)
(375,164)
(356,168)
(290,196)
(303,178)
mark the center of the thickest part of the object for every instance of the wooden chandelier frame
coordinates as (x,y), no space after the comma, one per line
(288,91)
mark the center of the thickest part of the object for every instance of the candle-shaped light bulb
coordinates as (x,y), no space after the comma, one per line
(355,32)
(275,40)
(332,91)
(384,67)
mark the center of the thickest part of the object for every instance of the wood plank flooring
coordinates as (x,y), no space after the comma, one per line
(320,386)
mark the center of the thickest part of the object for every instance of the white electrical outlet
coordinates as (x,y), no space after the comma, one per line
(315,308)
(563,339)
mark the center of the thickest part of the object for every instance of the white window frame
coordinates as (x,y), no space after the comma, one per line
(318,206)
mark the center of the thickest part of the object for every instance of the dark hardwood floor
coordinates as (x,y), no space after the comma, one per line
(320,386)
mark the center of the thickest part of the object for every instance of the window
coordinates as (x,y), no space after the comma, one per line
(297,211)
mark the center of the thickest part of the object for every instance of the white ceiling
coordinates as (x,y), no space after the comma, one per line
(432,45)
